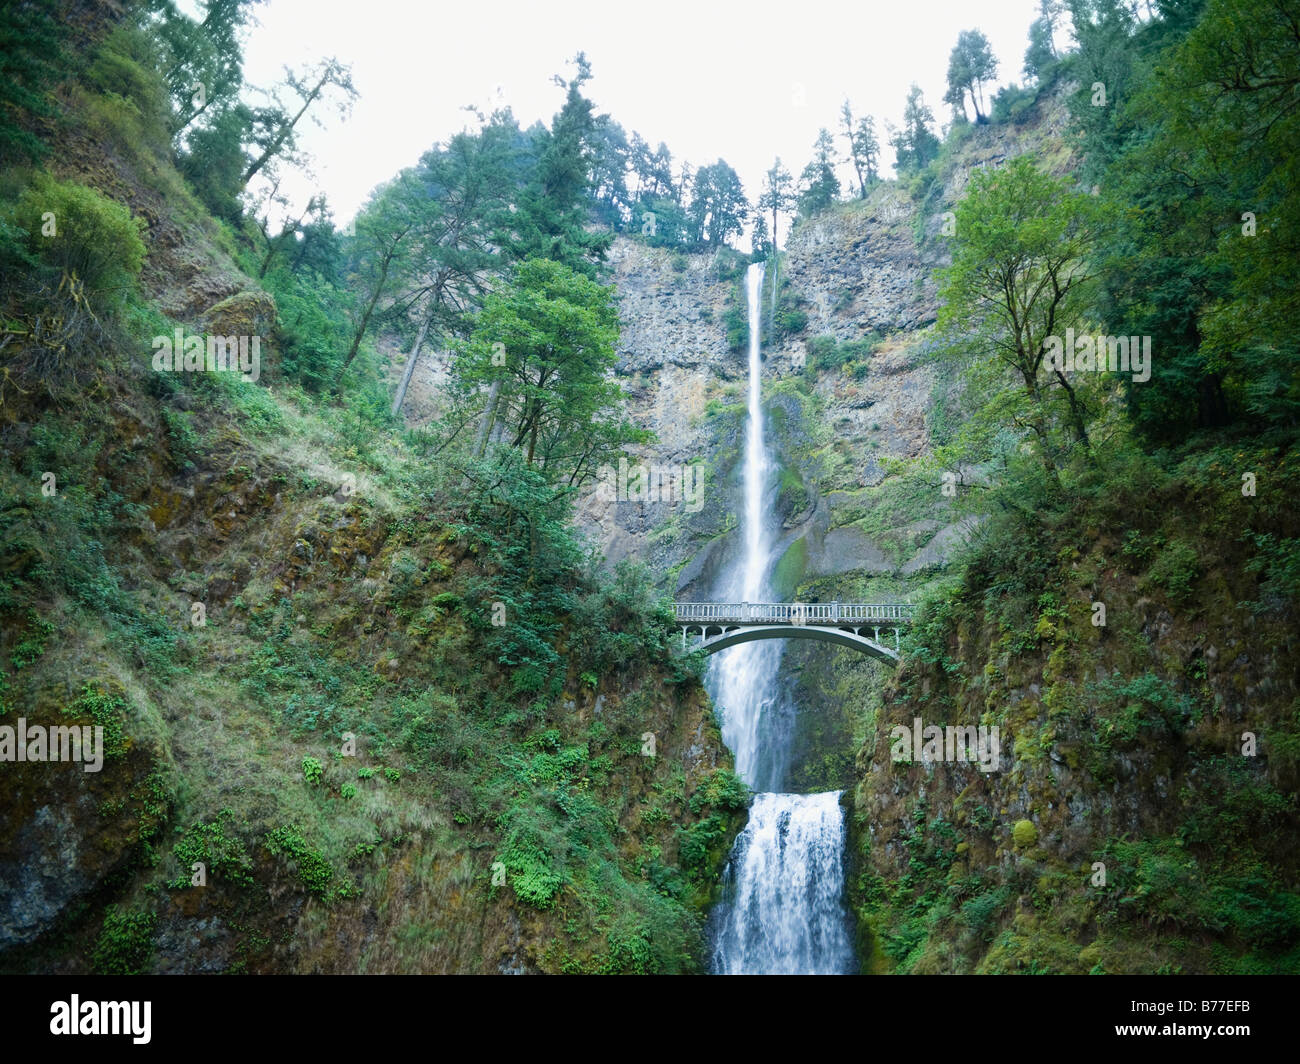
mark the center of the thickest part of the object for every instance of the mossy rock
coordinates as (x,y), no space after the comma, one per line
(1024,834)
(248,313)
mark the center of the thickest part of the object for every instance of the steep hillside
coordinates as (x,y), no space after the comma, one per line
(358,716)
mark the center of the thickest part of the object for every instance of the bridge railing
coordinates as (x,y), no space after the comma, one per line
(823,613)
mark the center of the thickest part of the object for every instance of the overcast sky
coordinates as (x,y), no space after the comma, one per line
(745,82)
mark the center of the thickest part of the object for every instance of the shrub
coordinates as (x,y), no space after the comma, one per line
(107,711)
(312,771)
(217,847)
(92,236)
(1175,570)
(790,323)
(125,943)
(121,72)
(314,872)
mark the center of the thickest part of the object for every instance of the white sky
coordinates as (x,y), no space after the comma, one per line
(745,82)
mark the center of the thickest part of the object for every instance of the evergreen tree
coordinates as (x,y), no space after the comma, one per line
(819,187)
(718,206)
(915,145)
(1040,56)
(551,217)
(970,65)
(864,147)
(777,196)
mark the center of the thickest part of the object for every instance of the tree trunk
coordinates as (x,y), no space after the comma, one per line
(409,371)
(489,418)
(1076,411)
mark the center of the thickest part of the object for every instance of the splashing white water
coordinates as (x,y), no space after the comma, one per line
(785,884)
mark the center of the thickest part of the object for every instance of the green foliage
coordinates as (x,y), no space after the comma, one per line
(971,63)
(818,186)
(125,943)
(551,210)
(1016,282)
(94,238)
(982,910)
(122,70)
(312,770)
(32,646)
(1014,105)
(736,323)
(108,711)
(789,322)
(313,870)
(555,331)
(218,846)
(718,207)
(915,144)
(826,354)
(1198,149)
(1176,570)
(32,60)
(723,790)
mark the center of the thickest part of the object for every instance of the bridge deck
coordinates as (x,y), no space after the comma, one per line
(794,613)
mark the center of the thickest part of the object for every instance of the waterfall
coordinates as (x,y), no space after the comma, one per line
(745,677)
(785,887)
(783,908)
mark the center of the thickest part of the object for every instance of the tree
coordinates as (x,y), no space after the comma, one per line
(970,65)
(214,160)
(777,195)
(819,187)
(544,347)
(609,166)
(864,147)
(718,205)
(1041,53)
(552,210)
(201,62)
(274,127)
(466,189)
(915,145)
(760,246)
(385,235)
(1202,164)
(1019,276)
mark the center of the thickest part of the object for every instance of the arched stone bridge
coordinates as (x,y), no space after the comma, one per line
(857,625)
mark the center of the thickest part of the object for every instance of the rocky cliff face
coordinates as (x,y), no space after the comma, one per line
(1138,813)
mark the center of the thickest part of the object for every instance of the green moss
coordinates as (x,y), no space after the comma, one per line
(1024,834)
(789,571)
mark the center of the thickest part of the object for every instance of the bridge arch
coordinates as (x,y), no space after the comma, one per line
(725,624)
(715,639)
